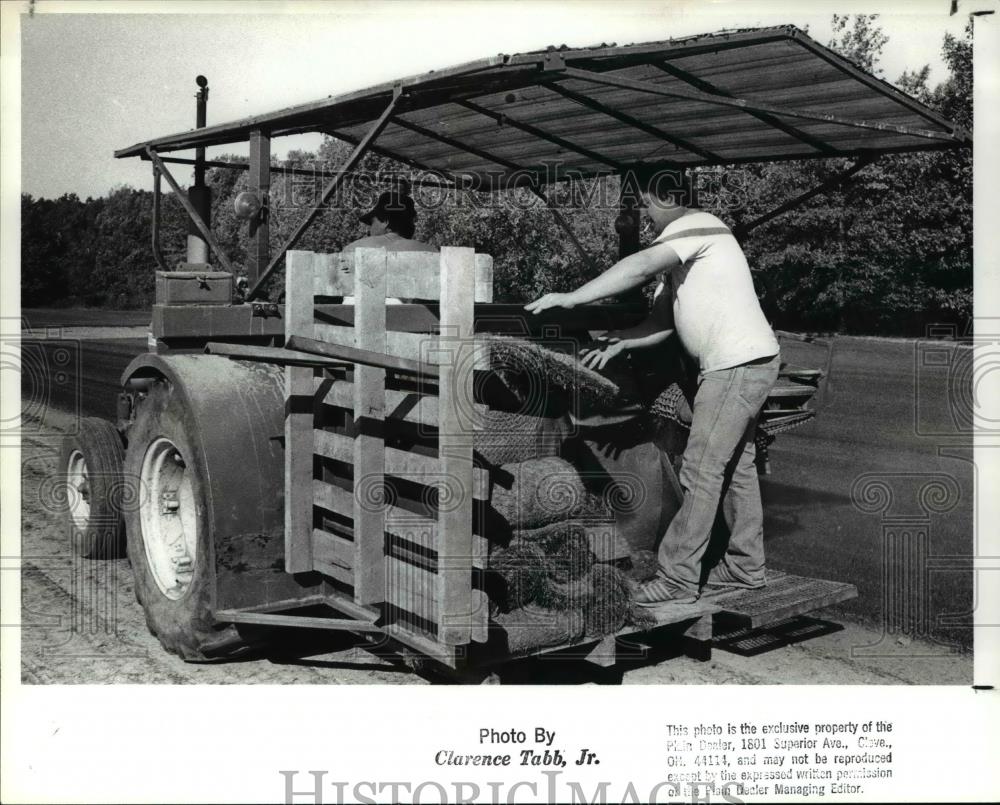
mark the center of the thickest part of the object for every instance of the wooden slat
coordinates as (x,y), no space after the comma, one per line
(404,464)
(282,604)
(364,357)
(405,406)
(411,346)
(484,278)
(335,572)
(278,355)
(480,620)
(369,418)
(446,655)
(298,417)
(454,578)
(403,345)
(419,529)
(333,498)
(411,588)
(294,621)
(411,275)
(422,531)
(489,317)
(343,604)
(332,549)
(413,527)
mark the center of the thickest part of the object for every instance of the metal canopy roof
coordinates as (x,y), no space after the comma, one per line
(752,95)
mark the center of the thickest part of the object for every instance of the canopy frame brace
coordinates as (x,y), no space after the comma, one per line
(748,106)
(506,120)
(533,184)
(830,183)
(185,202)
(764,117)
(632,122)
(356,155)
(567,228)
(310,172)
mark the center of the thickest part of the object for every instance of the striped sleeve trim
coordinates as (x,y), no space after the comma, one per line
(699,232)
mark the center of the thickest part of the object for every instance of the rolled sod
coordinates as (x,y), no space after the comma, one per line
(530,369)
(535,627)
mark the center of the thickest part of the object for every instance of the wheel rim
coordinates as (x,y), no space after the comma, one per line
(78,489)
(168,518)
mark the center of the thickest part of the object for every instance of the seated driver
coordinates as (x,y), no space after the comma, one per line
(391,224)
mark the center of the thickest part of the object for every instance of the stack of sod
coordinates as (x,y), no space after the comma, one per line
(548,565)
(545,586)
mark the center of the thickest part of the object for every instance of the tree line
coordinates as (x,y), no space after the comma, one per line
(889,251)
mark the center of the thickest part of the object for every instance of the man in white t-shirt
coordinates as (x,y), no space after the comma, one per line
(719,321)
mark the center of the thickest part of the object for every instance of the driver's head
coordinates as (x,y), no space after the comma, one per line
(393,212)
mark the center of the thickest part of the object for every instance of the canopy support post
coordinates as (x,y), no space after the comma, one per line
(360,150)
(260,183)
(155,235)
(627,225)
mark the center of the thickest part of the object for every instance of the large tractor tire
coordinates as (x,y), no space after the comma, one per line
(169,532)
(91,463)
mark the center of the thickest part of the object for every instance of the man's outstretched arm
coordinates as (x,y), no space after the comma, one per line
(631,272)
(654,330)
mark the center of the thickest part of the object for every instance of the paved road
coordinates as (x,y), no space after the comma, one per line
(873,435)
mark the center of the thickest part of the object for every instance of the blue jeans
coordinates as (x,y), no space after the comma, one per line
(719,463)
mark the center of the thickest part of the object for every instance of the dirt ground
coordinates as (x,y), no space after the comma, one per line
(81,624)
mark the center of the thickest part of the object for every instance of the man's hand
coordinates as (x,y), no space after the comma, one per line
(598,357)
(550,300)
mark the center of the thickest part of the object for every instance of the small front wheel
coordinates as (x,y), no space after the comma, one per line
(91,464)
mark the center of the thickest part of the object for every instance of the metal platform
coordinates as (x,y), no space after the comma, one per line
(785,596)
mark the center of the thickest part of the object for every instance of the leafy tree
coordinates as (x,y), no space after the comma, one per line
(56,248)
(860,39)
(890,250)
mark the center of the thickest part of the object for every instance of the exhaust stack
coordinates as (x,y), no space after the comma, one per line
(199,193)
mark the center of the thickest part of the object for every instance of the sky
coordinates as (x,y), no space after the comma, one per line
(98,81)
